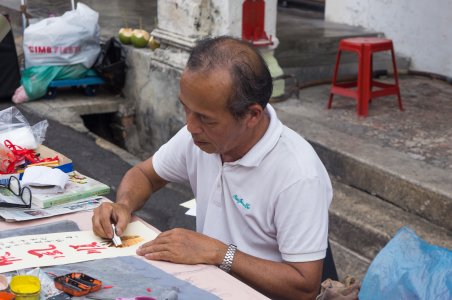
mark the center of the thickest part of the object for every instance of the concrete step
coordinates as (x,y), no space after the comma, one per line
(311,34)
(312,50)
(308,51)
(321,67)
(348,262)
(412,185)
(69,105)
(314,64)
(364,223)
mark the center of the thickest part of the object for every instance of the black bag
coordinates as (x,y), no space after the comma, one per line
(111,64)
(9,65)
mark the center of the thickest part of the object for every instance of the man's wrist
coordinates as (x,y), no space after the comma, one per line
(125,205)
(226,265)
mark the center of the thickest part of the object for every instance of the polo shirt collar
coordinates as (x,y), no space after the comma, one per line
(256,154)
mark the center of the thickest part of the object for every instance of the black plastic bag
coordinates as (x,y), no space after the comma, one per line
(111,64)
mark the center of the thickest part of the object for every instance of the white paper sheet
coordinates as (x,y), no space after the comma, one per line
(191,212)
(68,247)
(191,204)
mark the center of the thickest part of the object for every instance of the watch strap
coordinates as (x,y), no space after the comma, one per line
(226,265)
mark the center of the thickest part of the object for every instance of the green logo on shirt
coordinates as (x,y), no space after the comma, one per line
(241,202)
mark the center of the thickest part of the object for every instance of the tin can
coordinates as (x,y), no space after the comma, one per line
(25,287)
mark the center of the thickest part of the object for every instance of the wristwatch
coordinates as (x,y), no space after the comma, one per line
(226,265)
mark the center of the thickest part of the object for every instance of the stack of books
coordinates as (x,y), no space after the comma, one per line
(80,193)
(79,187)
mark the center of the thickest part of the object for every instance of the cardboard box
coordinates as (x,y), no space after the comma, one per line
(45,152)
(65,163)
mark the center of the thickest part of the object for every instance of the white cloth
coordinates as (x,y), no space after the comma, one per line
(272,203)
(44,180)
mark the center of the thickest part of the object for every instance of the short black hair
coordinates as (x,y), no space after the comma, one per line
(250,75)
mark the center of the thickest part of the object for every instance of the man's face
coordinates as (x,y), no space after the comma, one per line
(212,126)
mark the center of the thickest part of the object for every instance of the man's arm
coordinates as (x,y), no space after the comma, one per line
(278,280)
(135,189)
(285,280)
(138,184)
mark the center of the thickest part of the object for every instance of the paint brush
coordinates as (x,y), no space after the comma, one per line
(116,239)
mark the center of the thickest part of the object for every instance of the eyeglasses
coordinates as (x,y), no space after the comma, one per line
(23,193)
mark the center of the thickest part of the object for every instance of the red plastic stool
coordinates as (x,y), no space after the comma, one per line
(363,94)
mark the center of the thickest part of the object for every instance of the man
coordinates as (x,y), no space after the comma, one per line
(262,193)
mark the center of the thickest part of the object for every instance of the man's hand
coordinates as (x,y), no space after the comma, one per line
(184,247)
(107,214)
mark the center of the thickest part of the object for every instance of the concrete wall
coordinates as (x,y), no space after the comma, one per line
(152,91)
(420,29)
(152,83)
(209,17)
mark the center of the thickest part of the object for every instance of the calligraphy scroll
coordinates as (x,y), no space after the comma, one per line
(68,247)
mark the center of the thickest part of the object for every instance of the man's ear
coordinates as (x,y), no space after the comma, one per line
(255,113)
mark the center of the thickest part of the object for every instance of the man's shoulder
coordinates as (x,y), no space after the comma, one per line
(293,145)
(294,155)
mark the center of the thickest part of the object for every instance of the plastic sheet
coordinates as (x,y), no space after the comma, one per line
(409,268)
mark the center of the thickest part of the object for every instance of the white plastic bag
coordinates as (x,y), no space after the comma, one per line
(70,39)
(15,128)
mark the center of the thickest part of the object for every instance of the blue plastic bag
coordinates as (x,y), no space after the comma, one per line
(409,268)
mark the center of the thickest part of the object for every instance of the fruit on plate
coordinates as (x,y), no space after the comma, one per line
(153,44)
(125,35)
(140,38)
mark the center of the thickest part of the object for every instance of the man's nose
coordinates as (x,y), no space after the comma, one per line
(193,124)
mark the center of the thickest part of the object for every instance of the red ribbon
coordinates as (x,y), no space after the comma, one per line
(18,156)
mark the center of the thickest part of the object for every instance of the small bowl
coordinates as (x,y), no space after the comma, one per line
(3,282)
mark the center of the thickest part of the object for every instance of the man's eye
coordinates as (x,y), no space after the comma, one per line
(206,120)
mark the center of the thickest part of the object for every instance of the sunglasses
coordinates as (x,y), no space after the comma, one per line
(24,193)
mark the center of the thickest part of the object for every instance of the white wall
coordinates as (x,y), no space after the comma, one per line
(420,29)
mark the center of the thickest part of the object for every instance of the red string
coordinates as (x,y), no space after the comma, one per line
(19,156)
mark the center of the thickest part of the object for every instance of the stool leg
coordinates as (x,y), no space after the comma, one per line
(336,69)
(363,88)
(364,81)
(396,77)
(371,67)
(359,83)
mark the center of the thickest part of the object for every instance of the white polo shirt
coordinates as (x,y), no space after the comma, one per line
(272,203)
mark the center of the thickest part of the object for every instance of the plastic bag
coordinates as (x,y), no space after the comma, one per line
(15,128)
(111,64)
(20,95)
(70,39)
(48,288)
(409,268)
(36,80)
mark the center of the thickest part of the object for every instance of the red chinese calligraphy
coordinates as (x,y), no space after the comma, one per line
(51,251)
(89,248)
(7,259)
